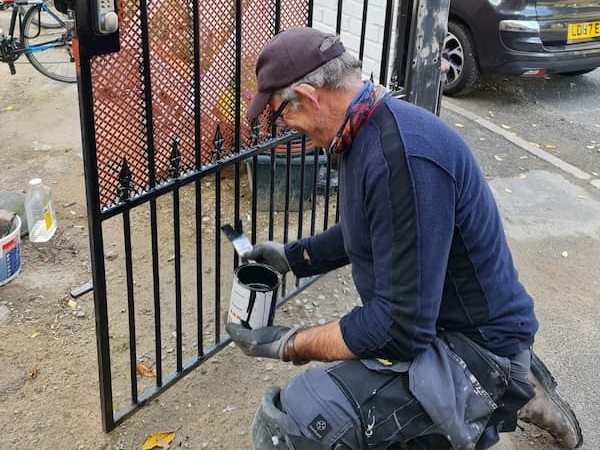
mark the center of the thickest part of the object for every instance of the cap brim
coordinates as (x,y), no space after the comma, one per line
(258,104)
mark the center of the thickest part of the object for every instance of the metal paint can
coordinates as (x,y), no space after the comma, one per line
(10,246)
(254,295)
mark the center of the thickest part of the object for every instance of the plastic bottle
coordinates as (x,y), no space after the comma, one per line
(41,220)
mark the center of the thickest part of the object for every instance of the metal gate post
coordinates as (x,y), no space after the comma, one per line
(422,28)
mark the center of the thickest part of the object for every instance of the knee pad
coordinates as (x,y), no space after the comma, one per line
(273,430)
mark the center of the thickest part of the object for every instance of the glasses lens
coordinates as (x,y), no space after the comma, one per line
(277,114)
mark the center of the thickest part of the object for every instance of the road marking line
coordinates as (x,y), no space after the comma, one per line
(522,143)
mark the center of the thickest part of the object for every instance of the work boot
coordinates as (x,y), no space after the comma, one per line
(548,410)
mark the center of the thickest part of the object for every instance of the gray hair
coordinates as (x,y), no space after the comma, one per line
(338,73)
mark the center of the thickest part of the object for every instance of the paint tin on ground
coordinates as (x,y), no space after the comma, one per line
(10,246)
(254,295)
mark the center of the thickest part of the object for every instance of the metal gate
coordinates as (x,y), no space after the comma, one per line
(169,159)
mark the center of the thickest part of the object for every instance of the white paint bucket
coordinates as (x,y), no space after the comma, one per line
(10,247)
(254,295)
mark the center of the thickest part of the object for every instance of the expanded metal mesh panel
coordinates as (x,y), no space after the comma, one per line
(151,123)
(119,102)
(293,14)
(171,44)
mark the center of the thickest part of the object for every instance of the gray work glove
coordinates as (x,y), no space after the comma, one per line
(266,342)
(271,253)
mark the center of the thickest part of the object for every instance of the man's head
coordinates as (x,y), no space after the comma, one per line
(289,57)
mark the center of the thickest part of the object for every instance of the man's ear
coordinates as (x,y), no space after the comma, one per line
(308,93)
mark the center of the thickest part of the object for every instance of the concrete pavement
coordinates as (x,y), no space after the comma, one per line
(551,212)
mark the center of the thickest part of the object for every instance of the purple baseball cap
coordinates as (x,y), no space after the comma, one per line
(286,58)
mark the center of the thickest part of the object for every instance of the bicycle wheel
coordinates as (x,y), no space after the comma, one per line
(47,21)
(49,50)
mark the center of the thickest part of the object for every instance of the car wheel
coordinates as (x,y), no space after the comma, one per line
(577,72)
(459,51)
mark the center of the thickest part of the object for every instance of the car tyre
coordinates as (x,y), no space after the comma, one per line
(459,51)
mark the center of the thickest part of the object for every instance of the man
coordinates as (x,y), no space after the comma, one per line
(439,355)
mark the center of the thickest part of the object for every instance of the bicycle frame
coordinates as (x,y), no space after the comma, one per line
(52,43)
(12,47)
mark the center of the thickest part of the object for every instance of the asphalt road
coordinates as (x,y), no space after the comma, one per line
(538,143)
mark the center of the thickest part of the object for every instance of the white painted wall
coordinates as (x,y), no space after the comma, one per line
(324,18)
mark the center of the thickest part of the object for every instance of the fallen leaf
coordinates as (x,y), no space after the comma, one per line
(550,146)
(459,125)
(143,370)
(32,373)
(498,158)
(158,440)
(9,108)
(72,303)
(506,127)
(34,335)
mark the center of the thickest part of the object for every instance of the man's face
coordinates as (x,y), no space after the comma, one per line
(304,118)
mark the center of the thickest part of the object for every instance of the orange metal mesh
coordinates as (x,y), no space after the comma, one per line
(122,93)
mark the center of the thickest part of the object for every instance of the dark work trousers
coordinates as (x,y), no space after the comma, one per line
(459,398)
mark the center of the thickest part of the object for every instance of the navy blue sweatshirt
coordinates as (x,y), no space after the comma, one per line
(424,236)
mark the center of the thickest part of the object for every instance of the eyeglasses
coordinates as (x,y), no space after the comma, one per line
(277,114)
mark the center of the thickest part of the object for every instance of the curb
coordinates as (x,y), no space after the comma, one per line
(521,143)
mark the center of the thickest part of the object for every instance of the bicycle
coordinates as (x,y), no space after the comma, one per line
(45,32)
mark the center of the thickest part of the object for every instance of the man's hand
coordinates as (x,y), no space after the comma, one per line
(271,253)
(266,342)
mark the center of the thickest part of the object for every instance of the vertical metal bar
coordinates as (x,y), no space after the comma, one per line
(313,206)
(96,236)
(197,74)
(326,207)
(363,28)
(197,184)
(338,19)
(147,87)
(217,256)
(130,304)
(277,16)
(199,271)
(238,111)
(177,251)
(287,183)
(387,36)
(286,213)
(272,168)
(254,196)
(302,169)
(311,7)
(238,78)
(156,291)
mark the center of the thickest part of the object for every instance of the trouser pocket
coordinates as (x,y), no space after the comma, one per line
(388,411)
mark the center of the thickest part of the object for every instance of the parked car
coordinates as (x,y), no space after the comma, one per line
(520,37)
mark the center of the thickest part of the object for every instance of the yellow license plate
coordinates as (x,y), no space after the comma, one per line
(583,30)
